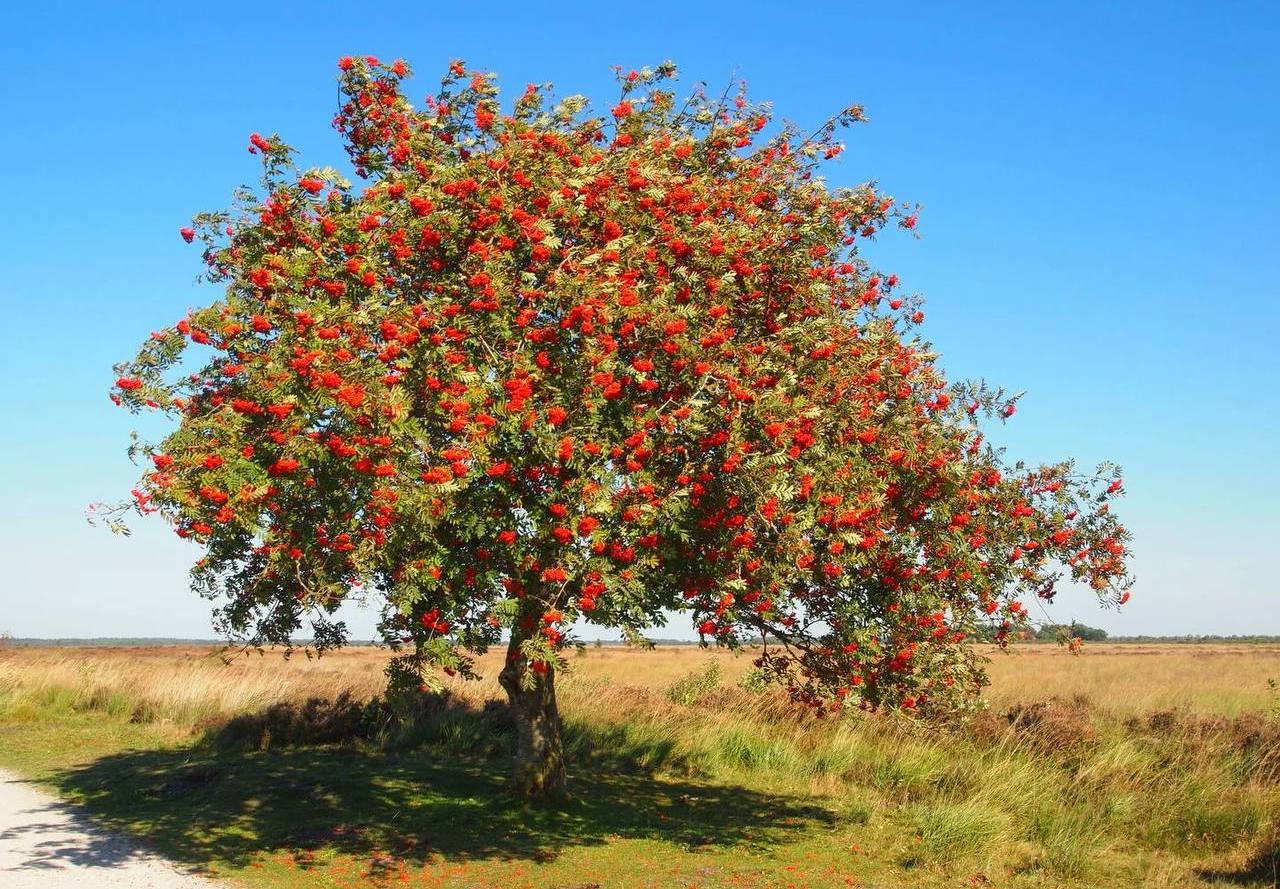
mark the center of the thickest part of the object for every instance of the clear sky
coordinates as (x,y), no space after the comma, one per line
(1101,227)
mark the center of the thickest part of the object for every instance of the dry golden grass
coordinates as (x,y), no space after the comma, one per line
(190,684)
(1129,679)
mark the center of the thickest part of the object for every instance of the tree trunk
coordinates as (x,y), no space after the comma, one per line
(539,765)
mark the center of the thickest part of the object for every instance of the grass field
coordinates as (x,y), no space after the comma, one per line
(1130,765)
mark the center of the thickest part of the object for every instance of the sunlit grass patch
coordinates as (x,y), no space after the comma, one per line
(949,830)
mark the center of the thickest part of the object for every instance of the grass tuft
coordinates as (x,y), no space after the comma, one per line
(950,830)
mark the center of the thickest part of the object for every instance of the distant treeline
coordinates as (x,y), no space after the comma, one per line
(1194,639)
(1044,634)
(130,642)
(1093,634)
(1086,633)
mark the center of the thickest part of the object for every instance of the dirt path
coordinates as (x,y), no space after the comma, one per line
(45,844)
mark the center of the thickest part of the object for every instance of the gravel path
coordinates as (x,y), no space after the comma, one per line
(46,844)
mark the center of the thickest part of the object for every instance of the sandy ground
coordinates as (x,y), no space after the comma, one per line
(45,844)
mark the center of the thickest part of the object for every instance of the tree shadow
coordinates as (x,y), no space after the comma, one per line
(220,801)
(1260,870)
(53,835)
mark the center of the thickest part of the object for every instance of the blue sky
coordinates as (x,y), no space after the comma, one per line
(1101,227)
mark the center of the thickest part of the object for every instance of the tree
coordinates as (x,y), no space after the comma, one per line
(1073,632)
(1086,633)
(550,367)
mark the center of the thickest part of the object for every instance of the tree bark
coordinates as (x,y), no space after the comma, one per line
(539,774)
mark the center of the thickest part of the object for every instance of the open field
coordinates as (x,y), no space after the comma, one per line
(1130,765)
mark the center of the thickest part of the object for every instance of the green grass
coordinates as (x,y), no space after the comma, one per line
(431,812)
(951,830)
(676,790)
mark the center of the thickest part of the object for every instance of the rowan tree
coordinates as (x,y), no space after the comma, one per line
(551,366)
